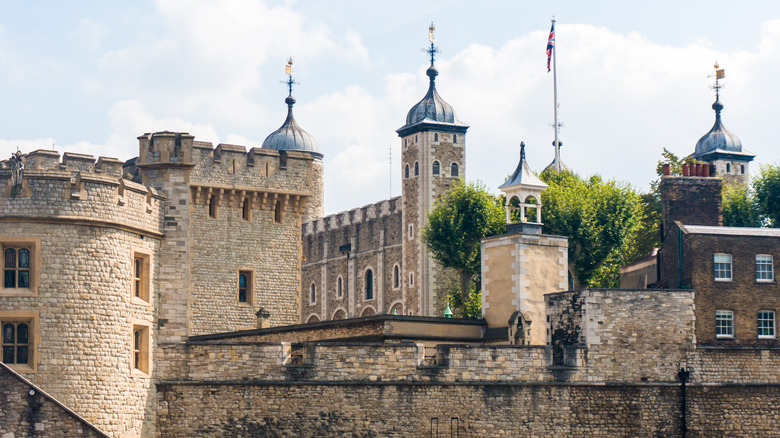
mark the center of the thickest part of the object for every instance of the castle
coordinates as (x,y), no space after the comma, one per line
(197,290)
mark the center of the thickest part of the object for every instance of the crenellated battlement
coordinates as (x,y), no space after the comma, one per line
(354,216)
(78,188)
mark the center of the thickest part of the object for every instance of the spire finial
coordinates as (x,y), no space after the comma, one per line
(720,73)
(522,151)
(433,50)
(288,70)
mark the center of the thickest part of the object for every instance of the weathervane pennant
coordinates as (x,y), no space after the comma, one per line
(550,45)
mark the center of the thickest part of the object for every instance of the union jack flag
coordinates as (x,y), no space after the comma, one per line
(550,45)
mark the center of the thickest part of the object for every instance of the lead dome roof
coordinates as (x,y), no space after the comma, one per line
(290,136)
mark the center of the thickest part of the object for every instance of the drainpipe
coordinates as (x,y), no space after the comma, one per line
(683,376)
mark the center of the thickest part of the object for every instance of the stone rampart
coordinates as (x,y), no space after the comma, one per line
(79,190)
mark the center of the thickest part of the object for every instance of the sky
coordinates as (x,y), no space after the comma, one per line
(633,78)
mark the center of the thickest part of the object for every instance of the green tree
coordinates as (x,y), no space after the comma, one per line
(739,207)
(766,187)
(602,220)
(457,223)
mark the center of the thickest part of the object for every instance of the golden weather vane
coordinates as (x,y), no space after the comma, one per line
(288,70)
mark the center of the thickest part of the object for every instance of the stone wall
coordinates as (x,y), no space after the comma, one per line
(653,327)
(512,409)
(27,411)
(374,239)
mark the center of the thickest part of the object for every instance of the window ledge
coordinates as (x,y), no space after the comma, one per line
(18,292)
(725,337)
(766,282)
(140,301)
(766,337)
(139,373)
(724,280)
(22,368)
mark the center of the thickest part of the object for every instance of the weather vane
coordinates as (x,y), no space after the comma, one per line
(720,73)
(433,50)
(288,70)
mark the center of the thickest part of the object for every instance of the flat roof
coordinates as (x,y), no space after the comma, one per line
(731,231)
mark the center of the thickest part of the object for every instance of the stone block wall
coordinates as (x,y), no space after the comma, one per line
(652,327)
(517,270)
(515,409)
(375,240)
(26,411)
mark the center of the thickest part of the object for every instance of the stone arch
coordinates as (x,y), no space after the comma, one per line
(368,311)
(339,313)
(396,308)
(313,318)
(529,211)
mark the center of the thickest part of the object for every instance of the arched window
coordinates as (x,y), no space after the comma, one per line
(369,283)
(742,168)
(454,170)
(339,288)
(396,276)
(416,168)
(340,314)
(313,318)
(278,212)
(455,138)
(313,294)
(435,136)
(435,167)
(728,167)
(411,279)
(406,171)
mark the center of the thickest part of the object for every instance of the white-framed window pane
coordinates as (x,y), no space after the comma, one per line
(724,324)
(722,266)
(764,268)
(766,324)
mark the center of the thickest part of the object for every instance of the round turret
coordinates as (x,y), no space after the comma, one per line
(290,136)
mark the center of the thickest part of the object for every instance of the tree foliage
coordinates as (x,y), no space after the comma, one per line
(457,223)
(766,188)
(602,220)
(739,207)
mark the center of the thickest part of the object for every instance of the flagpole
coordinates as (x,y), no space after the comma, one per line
(555,97)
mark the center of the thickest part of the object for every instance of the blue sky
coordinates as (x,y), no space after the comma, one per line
(91,76)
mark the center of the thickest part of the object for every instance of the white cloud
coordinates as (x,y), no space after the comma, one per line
(90,34)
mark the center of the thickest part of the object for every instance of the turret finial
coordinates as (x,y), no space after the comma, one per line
(720,73)
(288,70)
(522,151)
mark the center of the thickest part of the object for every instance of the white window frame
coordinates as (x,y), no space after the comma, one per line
(724,319)
(723,267)
(768,317)
(765,268)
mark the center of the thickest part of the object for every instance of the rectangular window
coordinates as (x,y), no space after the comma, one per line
(766,324)
(764,268)
(20,264)
(722,267)
(724,324)
(18,337)
(141,273)
(245,283)
(140,347)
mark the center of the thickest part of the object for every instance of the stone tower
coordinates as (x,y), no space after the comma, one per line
(433,143)
(721,149)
